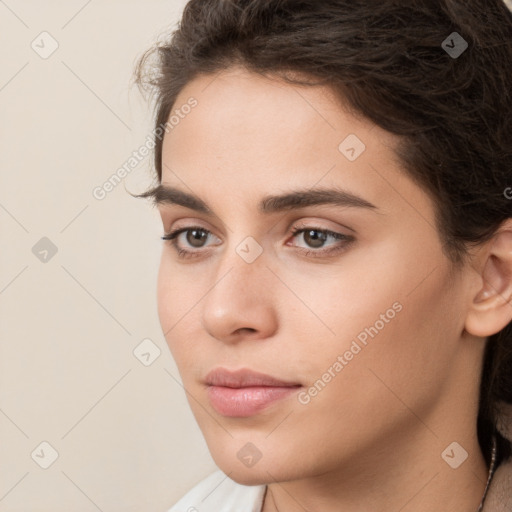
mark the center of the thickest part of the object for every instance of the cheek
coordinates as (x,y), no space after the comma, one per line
(165,299)
(333,305)
(406,360)
(393,325)
(174,302)
(178,289)
(179,294)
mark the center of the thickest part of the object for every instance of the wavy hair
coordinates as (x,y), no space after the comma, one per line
(387,59)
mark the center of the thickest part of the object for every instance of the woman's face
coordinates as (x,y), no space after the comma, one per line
(367,327)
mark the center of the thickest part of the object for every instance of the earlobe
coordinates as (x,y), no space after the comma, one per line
(491,308)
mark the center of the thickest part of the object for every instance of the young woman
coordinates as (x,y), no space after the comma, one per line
(334,179)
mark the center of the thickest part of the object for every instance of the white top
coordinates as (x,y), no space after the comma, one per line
(218,493)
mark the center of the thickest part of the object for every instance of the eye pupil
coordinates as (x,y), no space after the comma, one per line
(194,238)
(317,241)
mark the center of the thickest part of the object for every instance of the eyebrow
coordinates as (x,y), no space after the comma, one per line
(292,200)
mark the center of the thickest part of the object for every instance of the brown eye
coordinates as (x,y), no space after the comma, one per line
(195,237)
(315,238)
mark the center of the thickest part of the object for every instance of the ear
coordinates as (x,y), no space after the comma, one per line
(491,307)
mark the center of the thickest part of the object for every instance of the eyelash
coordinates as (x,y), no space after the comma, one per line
(317,253)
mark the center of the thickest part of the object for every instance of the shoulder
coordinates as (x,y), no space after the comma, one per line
(218,493)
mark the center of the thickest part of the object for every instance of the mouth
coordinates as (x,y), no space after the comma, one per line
(244,392)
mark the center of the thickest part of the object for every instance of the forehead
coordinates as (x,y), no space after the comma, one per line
(240,111)
(251,135)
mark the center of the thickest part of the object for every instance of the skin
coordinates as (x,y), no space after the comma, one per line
(372,439)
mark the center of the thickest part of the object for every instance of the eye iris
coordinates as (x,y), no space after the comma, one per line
(317,241)
(194,238)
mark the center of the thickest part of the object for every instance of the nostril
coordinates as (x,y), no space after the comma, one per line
(250,329)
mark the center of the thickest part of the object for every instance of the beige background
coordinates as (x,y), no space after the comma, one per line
(69,325)
(125,437)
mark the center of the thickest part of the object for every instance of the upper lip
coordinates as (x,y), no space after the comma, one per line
(243,378)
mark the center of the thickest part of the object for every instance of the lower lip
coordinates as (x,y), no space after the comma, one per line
(243,402)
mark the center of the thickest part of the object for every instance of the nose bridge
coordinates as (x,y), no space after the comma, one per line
(238,297)
(243,265)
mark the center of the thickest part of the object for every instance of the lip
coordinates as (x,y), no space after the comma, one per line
(244,392)
(243,378)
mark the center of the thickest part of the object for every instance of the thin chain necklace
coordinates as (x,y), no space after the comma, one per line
(491,472)
(489,478)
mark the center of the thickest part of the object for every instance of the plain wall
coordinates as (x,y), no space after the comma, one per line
(70,321)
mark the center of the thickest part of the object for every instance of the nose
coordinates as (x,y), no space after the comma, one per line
(239,303)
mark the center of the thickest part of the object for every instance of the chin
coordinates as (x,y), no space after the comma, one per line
(250,476)
(262,472)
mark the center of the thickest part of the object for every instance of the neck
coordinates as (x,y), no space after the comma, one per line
(410,477)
